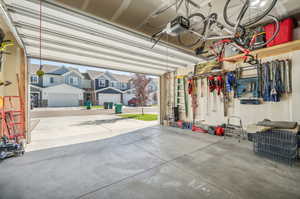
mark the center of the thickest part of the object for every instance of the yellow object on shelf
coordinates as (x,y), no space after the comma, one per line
(180,76)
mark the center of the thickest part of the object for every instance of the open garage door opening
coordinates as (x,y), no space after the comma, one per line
(71,104)
(53,31)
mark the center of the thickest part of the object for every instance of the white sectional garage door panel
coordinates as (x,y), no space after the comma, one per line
(62,100)
(104,97)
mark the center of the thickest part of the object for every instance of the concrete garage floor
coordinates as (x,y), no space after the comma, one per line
(151,163)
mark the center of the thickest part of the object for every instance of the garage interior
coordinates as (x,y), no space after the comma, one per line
(228,116)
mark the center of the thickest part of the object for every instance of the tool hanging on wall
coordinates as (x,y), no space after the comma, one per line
(230,81)
(288,75)
(276,77)
(219,84)
(207,97)
(225,93)
(202,88)
(192,90)
(211,83)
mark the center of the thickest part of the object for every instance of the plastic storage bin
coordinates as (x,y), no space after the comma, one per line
(285,33)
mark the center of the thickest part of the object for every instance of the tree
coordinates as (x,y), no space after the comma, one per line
(140,83)
(155,98)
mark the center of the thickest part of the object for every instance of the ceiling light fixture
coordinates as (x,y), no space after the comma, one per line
(257,3)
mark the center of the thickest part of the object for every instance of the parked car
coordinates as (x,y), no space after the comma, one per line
(133,102)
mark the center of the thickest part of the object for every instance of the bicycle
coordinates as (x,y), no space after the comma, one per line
(202,29)
(217,51)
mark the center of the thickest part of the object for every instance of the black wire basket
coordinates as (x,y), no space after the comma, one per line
(278,145)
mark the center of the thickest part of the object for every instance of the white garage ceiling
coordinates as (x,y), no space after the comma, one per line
(73,37)
(141,15)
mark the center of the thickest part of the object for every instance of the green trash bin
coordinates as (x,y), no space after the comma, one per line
(105,105)
(88,105)
(110,105)
(118,108)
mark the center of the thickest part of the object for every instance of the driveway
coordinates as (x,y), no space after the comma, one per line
(80,111)
(67,130)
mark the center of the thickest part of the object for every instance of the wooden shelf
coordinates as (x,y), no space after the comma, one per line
(274,50)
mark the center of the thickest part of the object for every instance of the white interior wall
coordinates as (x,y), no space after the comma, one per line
(213,112)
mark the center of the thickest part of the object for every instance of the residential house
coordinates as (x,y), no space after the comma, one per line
(66,86)
(58,87)
(109,87)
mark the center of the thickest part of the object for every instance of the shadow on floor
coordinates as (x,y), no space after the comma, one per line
(100,122)
(33,124)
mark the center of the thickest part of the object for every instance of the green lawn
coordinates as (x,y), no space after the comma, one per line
(145,117)
(95,107)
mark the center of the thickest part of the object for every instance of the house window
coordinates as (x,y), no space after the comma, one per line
(124,85)
(101,83)
(34,79)
(113,84)
(150,88)
(74,80)
(51,80)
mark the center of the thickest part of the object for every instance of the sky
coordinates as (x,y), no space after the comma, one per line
(80,68)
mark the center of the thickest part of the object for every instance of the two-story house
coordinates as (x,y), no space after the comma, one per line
(109,87)
(66,86)
(58,87)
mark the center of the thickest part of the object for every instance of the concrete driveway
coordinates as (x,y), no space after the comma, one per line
(66,130)
(80,111)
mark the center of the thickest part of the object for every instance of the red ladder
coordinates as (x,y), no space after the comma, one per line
(12,117)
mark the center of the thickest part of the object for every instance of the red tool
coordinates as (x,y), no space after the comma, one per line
(211,83)
(219,84)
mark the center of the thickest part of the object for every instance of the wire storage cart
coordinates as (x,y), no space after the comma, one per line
(278,145)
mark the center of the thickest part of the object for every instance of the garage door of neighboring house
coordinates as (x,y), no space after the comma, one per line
(127,97)
(104,97)
(62,100)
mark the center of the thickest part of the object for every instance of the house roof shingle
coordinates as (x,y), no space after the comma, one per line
(94,74)
(121,78)
(117,77)
(59,71)
(51,69)
(46,68)
(90,74)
